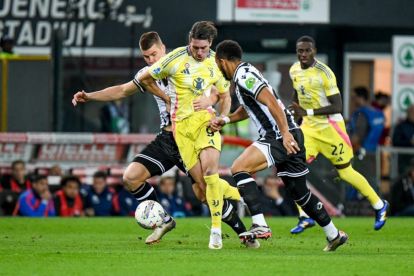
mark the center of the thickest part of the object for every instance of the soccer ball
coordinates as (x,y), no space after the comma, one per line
(150,214)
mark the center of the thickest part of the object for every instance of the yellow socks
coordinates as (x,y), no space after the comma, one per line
(360,183)
(214,195)
(229,192)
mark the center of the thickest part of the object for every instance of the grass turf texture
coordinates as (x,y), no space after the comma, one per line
(115,246)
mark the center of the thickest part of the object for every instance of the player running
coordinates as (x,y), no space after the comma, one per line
(191,72)
(318,100)
(162,153)
(280,144)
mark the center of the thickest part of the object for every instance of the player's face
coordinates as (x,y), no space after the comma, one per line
(154,53)
(199,48)
(71,189)
(41,186)
(99,184)
(222,65)
(306,53)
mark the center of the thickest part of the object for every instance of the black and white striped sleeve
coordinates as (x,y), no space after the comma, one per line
(136,79)
(252,82)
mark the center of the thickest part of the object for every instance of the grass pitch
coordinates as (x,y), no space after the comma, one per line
(115,246)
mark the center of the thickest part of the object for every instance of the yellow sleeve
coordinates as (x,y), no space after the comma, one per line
(329,82)
(166,66)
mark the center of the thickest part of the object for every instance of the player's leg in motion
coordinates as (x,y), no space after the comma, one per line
(304,222)
(134,179)
(315,209)
(347,173)
(250,161)
(229,214)
(208,168)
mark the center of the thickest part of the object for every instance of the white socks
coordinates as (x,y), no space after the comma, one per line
(259,220)
(378,205)
(331,231)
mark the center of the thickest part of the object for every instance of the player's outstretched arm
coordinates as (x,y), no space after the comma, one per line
(265,97)
(239,115)
(225,103)
(334,107)
(151,86)
(108,94)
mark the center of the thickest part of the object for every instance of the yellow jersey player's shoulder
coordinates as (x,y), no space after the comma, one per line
(294,68)
(174,54)
(324,69)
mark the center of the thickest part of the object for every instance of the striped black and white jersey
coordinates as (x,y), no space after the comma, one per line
(162,106)
(249,82)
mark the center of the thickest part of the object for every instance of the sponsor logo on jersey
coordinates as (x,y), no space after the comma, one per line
(186,71)
(250,82)
(156,71)
(198,83)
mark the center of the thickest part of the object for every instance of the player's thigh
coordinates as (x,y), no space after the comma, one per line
(185,144)
(209,159)
(204,136)
(251,160)
(336,145)
(135,173)
(311,144)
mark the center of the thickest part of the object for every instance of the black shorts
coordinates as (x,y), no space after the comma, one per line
(161,155)
(292,165)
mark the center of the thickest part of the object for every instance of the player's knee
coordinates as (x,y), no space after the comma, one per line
(237,167)
(131,182)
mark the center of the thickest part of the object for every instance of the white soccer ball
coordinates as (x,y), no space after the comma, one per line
(150,214)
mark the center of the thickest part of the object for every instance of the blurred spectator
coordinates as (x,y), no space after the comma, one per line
(273,202)
(404,137)
(402,194)
(36,202)
(169,199)
(366,125)
(365,130)
(127,202)
(101,200)
(55,170)
(11,186)
(381,102)
(68,202)
(115,117)
(6,44)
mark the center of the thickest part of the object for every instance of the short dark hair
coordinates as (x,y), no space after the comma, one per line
(362,92)
(37,177)
(66,179)
(17,162)
(229,50)
(99,174)
(203,30)
(307,38)
(148,39)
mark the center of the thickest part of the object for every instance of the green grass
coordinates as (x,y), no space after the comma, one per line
(115,246)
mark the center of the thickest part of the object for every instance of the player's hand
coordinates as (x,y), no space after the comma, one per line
(80,97)
(216,124)
(297,110)
(46,195)
(290,143)
(201,103)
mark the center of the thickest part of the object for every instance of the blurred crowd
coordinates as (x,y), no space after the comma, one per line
(31,195)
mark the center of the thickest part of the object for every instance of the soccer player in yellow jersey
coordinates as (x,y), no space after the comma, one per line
(318,100)
(191,72)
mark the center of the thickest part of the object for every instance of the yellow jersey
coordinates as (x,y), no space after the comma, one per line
(188,79)
(314,85)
